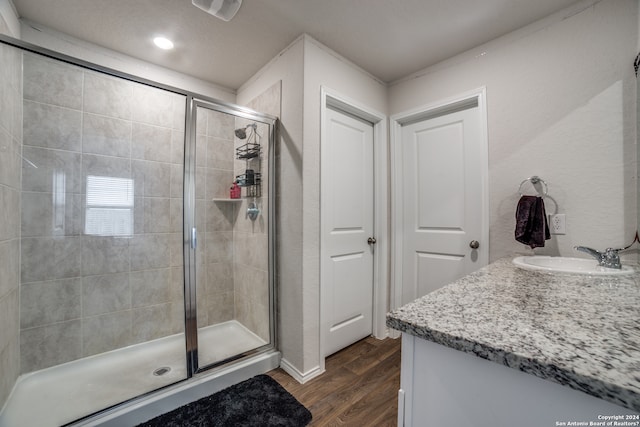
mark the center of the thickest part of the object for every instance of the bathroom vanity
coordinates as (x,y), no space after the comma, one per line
(506,346)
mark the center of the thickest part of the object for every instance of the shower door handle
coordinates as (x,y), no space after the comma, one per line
(194,238)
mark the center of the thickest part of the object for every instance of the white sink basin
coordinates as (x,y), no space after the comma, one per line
(568,265)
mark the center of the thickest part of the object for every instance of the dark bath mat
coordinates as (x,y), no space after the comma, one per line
(258,401)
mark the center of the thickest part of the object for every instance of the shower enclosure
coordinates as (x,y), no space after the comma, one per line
(131,270)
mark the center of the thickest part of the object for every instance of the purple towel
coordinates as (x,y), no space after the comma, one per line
(531,222)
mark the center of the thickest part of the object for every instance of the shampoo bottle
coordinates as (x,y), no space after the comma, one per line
(235,191)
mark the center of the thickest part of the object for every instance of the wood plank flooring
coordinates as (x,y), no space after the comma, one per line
(359,388)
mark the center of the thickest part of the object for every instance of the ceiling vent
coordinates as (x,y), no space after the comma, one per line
(223,9)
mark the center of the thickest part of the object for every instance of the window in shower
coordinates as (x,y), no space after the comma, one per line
(109,210)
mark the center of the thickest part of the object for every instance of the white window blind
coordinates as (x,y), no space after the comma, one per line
(109,208)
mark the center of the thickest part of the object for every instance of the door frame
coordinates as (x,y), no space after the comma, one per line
(332,99)
(457,103)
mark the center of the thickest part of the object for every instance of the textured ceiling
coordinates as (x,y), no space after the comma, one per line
(388,38)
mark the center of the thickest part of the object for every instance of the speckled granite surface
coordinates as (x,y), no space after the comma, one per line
(578,331)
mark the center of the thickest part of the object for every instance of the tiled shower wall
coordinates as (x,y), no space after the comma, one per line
(82,293)
(214,219)
(250,238)
(232,263)
(10,149)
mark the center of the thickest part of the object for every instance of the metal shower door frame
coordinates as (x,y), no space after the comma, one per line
(190,232)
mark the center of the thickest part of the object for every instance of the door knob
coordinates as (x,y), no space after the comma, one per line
(474,244)
(371,241)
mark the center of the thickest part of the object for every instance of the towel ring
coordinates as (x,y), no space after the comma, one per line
(534,180)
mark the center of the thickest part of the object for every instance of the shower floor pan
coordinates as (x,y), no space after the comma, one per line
(64,393)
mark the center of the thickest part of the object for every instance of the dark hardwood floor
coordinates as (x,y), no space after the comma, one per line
(359,388)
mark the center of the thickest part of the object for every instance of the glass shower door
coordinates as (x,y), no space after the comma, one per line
(101,280)
(232,275)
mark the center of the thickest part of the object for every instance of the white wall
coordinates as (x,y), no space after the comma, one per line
(63,43)
(304,67)
(561,105)
(9,15)
(324,68)
(287,67)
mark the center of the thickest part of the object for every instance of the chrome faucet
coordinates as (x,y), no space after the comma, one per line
(609,258)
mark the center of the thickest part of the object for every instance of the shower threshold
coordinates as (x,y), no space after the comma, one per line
(64,393)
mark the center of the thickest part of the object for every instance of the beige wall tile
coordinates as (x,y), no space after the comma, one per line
(152,106)
(42,168)
(156,215)
(107,96)
(151,179)
(10,201)
(220,125)
(177,181)
(106,332)
(220,216)
(151,322)
(104,255)
(177,283)
(175,212)
(9,366)
(52,82)
(150,251)
(113,167)
(177,147)
(151,143)
(201,183)
(220,307)
(220,278)
(179,103)
(220,153)
(105,294)
(51,126)
(219,247)
(9,159)
(47,258)
(43,303)
(49,214)
(107,136)
(9,266)
(218,182)
(50,345)
(9,213)
(176,242)
(201,150)
(9,317)
(150,287)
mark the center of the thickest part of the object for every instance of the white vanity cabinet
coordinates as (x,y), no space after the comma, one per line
(442,387)
(506,347)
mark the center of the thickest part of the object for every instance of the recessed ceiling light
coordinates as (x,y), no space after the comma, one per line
(163,43)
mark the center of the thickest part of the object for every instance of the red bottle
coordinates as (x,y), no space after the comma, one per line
(235,191)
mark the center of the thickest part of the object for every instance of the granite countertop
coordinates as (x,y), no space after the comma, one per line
(579,331)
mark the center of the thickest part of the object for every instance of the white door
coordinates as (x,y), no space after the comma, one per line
(347,224)
(443,168)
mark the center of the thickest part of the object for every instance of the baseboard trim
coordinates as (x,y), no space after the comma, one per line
(297,375)
(394,334)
